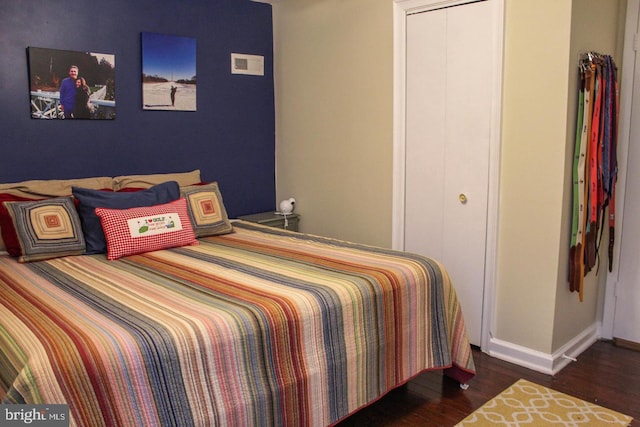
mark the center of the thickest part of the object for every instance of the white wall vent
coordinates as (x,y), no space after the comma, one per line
(247,64)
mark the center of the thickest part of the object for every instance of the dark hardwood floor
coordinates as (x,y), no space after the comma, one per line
(604,374)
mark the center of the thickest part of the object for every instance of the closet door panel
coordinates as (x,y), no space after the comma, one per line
(449,86)
(426,115)
(467,143)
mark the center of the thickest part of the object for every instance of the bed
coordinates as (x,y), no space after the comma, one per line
(253,326)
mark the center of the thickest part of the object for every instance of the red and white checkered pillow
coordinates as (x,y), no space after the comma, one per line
(145,229)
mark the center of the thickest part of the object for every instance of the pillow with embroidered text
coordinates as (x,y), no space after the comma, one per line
(145,229)
(44,229)
(88,200)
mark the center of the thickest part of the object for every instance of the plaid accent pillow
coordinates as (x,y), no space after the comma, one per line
(145,229)
(206,210)
(44,229)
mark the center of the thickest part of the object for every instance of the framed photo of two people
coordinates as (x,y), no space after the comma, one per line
(71,85)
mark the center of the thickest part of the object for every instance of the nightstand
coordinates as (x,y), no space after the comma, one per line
(273,219)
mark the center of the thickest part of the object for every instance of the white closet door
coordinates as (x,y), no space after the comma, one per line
(627,302)
(627,308)
(448,134)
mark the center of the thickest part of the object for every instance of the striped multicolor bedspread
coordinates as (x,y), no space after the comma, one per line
(258,327)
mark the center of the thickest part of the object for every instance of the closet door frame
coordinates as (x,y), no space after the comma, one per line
(626,130)
(403,8)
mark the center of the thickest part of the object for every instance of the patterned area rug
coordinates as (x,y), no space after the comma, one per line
(529,404)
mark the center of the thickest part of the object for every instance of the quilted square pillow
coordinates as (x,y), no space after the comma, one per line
(9,237)
(145,229)
(44,189)
(206,210)
(45,229)
(89,200)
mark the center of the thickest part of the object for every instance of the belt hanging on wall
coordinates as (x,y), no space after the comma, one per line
(595,167)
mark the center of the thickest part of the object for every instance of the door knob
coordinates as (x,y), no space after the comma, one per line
(463,198)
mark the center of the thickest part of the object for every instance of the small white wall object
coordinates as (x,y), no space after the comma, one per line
(242,63)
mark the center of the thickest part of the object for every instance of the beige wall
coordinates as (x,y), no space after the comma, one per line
(334,115)
(334,139)
(533,169)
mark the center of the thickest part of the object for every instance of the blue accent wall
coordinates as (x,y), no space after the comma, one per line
(230,138)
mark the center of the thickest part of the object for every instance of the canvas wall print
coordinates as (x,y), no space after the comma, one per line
(71,85)
(168,72)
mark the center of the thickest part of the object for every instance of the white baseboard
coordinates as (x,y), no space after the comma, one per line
(536,360)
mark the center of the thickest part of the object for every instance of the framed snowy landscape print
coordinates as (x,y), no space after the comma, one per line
(71,85)
(168,72)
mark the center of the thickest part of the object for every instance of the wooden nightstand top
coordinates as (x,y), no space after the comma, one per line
(274,219)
